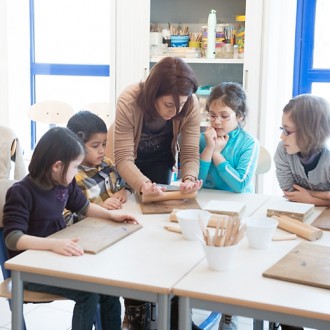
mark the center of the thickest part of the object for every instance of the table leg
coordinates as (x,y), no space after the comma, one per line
(184,313)
(258,324)
(17,301)
(163,319)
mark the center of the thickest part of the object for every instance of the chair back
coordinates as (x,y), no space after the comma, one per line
(51,112)
(5,184)
(264,161)
(102,110)
(11,152)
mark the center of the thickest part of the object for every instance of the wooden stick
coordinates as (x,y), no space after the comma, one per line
(288,237)
(173,229)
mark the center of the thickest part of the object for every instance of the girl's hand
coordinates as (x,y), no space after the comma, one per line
(190,186)
(121,195)
(127,218)
(220,143)
(151,189)
(210,137)
(66,247)
(300,195)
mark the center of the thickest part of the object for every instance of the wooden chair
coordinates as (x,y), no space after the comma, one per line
(264,161)
(103,110)
(51,112)
(5,286)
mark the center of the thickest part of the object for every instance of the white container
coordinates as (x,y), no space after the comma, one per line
(259,231)
(189,221)
(220,257)
(211,34)
(156,38)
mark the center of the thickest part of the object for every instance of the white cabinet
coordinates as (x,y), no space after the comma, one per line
(132,43)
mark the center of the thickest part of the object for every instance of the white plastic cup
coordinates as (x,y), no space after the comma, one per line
(259,231)
(220,258)
(189,221)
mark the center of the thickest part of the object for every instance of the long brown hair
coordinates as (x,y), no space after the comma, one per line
(170,76)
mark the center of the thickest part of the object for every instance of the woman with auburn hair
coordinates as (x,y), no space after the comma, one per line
(150,117)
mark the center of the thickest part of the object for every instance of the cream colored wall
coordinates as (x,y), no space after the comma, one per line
(3,66)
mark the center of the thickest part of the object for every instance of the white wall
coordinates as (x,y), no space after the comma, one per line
(276,76)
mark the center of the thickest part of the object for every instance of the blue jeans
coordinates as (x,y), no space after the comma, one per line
(85,309)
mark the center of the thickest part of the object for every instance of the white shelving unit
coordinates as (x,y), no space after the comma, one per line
(203,60)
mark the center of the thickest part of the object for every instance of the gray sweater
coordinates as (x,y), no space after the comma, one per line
(289,171)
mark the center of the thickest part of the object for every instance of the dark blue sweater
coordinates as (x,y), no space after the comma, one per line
(39,212)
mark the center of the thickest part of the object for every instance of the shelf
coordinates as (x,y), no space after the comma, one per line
(203,60)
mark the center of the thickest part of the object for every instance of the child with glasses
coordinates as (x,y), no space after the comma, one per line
(302,158)
(228,154)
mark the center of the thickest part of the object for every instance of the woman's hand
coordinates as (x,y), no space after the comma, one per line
(112,203)
(151,189)
(127,218)
(188,186)
(66,247)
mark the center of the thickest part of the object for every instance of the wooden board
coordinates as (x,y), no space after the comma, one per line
(323,220)
(97,234)
(307,264)
(162,207)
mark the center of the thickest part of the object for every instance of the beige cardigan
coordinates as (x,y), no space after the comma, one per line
(127,132)
(10,145)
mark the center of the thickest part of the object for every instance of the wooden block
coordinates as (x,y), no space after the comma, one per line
(230,208)
(298,211)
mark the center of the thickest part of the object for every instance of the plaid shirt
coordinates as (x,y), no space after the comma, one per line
(101,182)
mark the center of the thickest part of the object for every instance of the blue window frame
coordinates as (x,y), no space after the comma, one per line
(304,72)
(55,69)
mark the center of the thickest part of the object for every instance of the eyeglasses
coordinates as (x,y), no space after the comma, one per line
(286,132)
(221,117)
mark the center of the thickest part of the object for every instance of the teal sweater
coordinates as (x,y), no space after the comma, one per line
(236,173)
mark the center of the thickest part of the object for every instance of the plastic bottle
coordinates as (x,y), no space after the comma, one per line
(211,34)
(240,35)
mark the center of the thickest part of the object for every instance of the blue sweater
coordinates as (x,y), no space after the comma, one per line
(236,173)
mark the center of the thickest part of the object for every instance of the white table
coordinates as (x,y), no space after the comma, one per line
(242,290)
(145,265)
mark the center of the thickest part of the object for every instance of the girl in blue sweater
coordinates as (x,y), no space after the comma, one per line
(228,154)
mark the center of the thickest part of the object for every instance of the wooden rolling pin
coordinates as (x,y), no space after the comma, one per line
(169,195)
(299,228)
(212,222)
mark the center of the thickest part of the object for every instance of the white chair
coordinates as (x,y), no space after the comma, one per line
(51,112)
(11,152)
(264,161)
(103,110)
